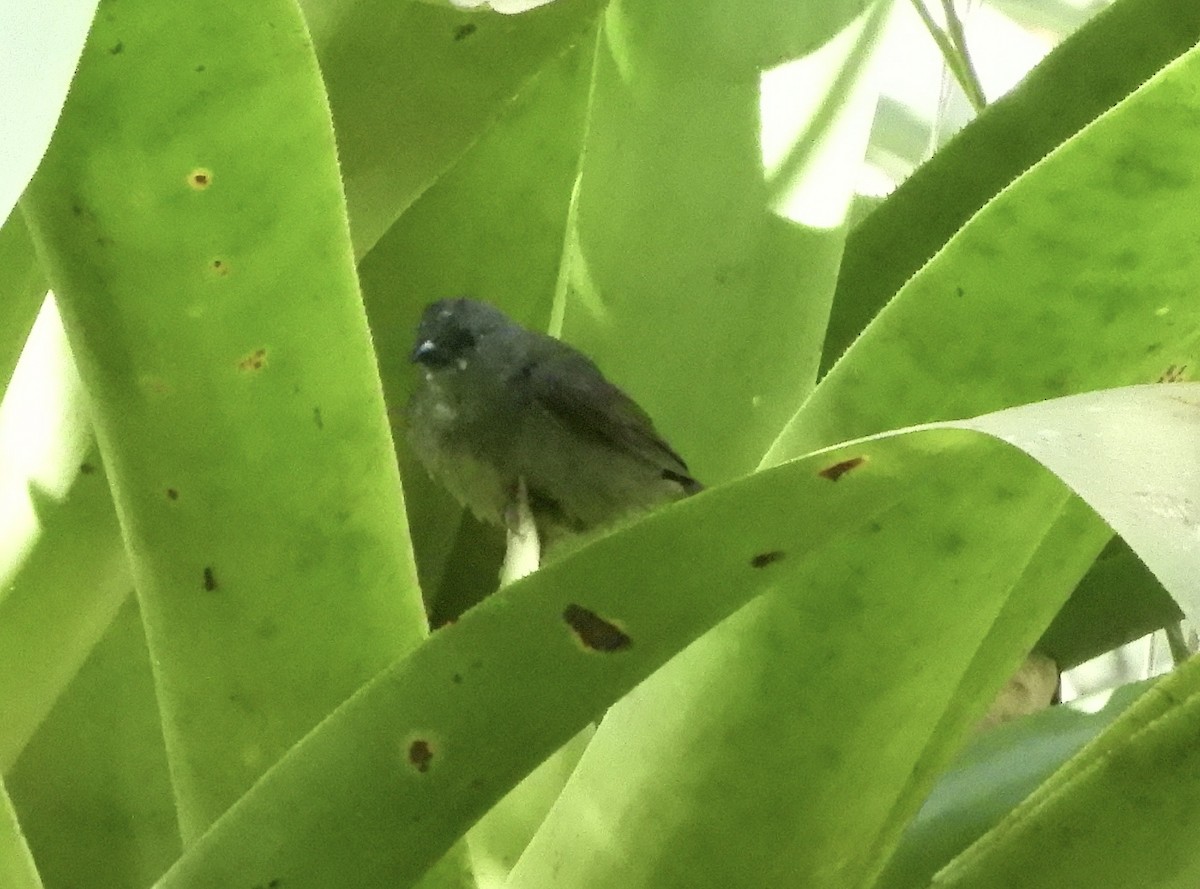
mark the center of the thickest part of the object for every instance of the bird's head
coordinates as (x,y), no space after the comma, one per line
(450,331)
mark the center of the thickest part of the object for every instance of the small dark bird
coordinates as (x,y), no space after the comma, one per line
(498,405)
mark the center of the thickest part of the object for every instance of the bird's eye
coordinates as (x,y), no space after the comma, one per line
(458,341)
(445,349)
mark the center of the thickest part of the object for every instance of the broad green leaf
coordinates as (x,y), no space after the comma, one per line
(22,288)
(1120,451)
(59,603)
(17,870)
(1043,292)
(92,787)
(498,839)
(191,221)
(429,745)
(63,570)
(1119,814)
(1050,573)
(1079,276)
(797,724)
(1117,601)
(413,86)
(997,770)
(1085,76)
(708,224)
(829,782)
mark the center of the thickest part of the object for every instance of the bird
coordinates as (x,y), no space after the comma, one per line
(502,414)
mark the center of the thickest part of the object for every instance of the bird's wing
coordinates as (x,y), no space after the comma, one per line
(572,389)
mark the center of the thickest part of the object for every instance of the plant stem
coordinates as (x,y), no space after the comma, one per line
(1178,645)
(953,46)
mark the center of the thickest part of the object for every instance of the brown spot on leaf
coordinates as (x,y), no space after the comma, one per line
(87,468)
(1173,374)
(594,632)
(762,560)
(200,178)
(420,755)
(172,494)
(219,267)
(116,49)
(464,31)
(837,470)
(210,580)
(317,418)
(256,360)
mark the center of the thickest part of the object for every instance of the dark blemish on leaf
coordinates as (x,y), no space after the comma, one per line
(420,755)
(762,560)
(594,632)
(959,292)
(103,241)
(267,629)
(837,470)
(76,209)
(317,418)
(456,678)
(210,580)
(954,543)
(87,468)
(199,69)
(1173,374)
(256,360)
(172,494)
(118,49)
(464,31)
(199,178)
(219,267)
(874,527)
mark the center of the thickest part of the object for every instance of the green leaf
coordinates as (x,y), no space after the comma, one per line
(413,86)
(65,570)
(1135,782)
(59,602)
(17,870)
(92,786)
(1090,72)
(1119,450)
(998,769)
(190,217)
(470,705)
(707,228)
(1117,601)
(22,288)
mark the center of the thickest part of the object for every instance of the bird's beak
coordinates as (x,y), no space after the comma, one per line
(423,350)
